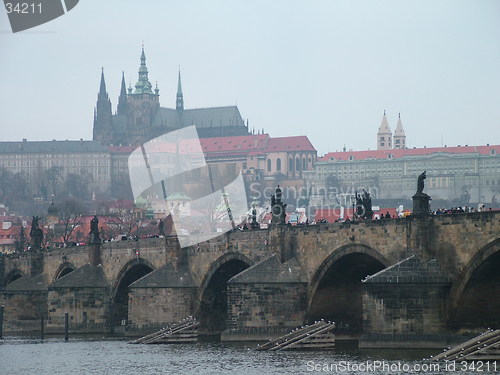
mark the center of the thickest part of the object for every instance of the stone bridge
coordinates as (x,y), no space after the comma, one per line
(411,276)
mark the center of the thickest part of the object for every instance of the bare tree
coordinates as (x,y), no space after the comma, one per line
(40,180)
(71,213)
(20,187)
(76,185)
(5,182)
(128,218)
(213,210)
(53,176)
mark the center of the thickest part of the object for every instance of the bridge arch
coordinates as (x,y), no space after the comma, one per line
(211,298)
(474,295)
(13,275)
(132,271)
(335,291)
(63,269)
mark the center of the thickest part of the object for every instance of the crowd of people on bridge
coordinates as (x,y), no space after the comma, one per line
(459,210)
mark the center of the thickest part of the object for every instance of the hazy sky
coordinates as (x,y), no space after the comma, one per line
(326,69)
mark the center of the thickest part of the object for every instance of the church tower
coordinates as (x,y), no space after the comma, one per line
(103,126)
(142,105)
(384,135)
(179,102)
(399,135)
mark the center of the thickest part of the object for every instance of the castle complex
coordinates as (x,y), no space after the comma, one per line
(462,174)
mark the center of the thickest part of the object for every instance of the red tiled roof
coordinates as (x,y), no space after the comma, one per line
(121,149)
(255,144)
(296,143)
(234,144)
(399,153)
(12,231)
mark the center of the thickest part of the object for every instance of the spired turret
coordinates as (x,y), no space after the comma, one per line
(384,135)
(122,99)
(179,102)
(103,126)
(399,134)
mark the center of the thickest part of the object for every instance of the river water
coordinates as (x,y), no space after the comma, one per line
(24,355)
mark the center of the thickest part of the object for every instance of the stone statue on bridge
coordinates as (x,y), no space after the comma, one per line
(94,231)
(21,241)
(278,208)
(421,201)
(367,204)
(161,228)
(364,205)
(36,234)
(254,224)
(421,182)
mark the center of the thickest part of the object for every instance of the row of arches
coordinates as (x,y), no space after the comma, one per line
(300,164)
(64,269)
(335,290)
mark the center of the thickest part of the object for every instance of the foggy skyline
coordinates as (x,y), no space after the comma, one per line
(325,69)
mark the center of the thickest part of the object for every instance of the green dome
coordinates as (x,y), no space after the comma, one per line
(141,202)
(52,210)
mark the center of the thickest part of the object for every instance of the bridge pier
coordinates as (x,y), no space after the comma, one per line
(266,301)
(163,297)
(84,295)
(404,304)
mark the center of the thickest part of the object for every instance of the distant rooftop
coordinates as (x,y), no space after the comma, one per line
(35,147)
(408,152)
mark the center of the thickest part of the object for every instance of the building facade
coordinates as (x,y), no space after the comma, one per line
(46,166)
(265,162)
(460,175)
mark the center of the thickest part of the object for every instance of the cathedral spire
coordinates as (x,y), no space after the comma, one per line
(102,114)
(122,99)
(179,104)
(102,87)
(143,86)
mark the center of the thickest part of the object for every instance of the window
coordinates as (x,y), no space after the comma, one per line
(290,164)
(278,164)
(297,164)
(269,165)
(304,164)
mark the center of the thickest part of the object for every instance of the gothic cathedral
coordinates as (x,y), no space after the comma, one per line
(139,117)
